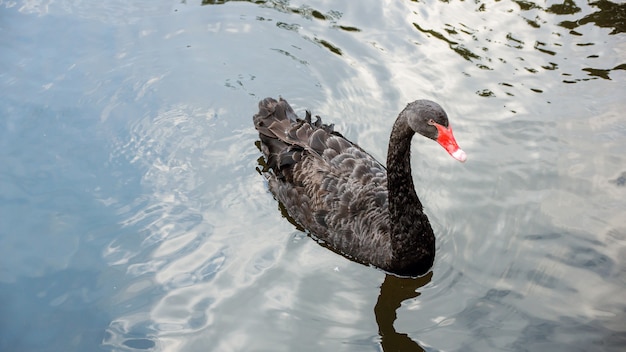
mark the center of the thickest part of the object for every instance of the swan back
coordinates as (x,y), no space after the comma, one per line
(328,184)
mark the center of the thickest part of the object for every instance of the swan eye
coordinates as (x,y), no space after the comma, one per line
(431,122)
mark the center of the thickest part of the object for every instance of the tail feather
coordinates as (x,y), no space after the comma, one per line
(285,137)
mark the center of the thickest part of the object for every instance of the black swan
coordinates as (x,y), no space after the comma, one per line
(346,198)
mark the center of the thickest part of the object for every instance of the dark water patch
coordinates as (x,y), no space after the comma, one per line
(602,73)
(288,26)
(455,46)
(594,72)
(349,28)
(526,5)
(495,310)
(541,237)
(532,23)
(620,181)
(516,43)
(496,295)
(539,46)
(567,334)
(486,93)
(610,15)
(139,344)
(551,66)
(305,11)
(587,258)
(334,49)
(549,281)
(568,7)
(292,56)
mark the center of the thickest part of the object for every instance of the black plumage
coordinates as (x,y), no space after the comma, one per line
(342,195)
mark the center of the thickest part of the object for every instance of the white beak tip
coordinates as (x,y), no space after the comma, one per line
(459,155)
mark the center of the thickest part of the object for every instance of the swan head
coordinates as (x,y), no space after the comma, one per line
(430,120)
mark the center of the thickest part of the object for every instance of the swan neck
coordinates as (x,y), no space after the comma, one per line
(412,238)
(399,178)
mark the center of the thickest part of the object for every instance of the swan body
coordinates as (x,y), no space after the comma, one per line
(346,198)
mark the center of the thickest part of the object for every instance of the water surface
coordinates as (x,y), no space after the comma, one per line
(132,216)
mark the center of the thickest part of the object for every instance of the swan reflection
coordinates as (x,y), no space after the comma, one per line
(393,291)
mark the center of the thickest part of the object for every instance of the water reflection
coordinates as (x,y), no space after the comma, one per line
(609,15)
(469,39)
(393,292)
(455,46)
(304,11)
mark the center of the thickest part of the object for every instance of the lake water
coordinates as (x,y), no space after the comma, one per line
(132,216)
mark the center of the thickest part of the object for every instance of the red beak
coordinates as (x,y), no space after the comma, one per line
(447,141)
